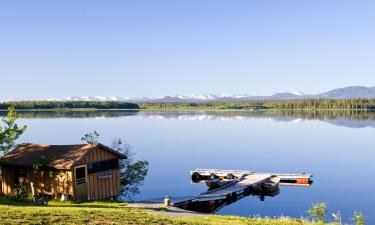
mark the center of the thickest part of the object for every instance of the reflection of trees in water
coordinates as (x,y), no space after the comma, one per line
(326,114)
(73,114)
(347,118)
(212,205)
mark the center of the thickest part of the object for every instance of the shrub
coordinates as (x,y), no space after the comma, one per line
(337,217)
(21,192)
(318,212)
(359,218)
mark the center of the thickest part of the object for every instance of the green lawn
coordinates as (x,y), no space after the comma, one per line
(112,213)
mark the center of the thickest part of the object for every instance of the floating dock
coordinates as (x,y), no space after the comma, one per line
(228,186)
(287,179)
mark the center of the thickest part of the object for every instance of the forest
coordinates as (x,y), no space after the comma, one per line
(53,105)
(298,104)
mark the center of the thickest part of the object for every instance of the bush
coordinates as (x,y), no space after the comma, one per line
(21,192)
(337,217)
(318,212)
(359,218)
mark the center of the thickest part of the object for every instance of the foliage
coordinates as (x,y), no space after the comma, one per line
(359,219)
(91,137)
(42,163)
(337,217)
(116,213)
(48,105)
(296,104)
(132,176)
(21,192)
(10,132)
(318,212)
(132,173)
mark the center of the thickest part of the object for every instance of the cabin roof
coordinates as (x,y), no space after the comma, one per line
(55,156)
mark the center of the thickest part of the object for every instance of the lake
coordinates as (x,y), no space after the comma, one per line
(337,147)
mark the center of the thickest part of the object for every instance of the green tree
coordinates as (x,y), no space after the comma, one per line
(10,132)
(91,137)
(133,172)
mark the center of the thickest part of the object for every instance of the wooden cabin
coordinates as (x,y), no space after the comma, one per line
(83,172)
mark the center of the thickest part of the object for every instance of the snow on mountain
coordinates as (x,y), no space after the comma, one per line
(340,93)
(298,93)
(96,98)
(186,98)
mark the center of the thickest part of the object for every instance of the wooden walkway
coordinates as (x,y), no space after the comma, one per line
(236,187)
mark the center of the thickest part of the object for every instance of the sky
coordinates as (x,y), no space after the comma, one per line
(57,49)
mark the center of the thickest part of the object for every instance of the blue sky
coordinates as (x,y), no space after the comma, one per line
(153,48)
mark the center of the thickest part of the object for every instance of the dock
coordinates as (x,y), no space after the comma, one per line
(286,179)
(228,186)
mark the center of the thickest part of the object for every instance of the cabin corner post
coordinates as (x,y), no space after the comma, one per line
(73,183)
(1,179)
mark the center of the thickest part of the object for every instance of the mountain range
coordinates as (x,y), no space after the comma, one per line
(339,93)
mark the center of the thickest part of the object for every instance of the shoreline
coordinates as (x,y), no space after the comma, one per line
(183,110)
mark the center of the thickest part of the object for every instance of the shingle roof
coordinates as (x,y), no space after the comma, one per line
(58,156)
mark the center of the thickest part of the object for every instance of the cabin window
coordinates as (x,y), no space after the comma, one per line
(80,175)
(20,173)
(103,166)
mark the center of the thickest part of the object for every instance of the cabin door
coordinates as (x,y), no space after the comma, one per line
(80,173)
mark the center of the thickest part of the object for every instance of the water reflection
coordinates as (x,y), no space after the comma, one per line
(350,119)
(73,114)
(212,206)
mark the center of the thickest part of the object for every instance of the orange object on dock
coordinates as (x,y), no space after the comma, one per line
(303,181)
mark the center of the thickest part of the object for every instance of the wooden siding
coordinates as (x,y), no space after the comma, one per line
(103,184)
(96,155)
(46,181)
(52,182)
(8,179)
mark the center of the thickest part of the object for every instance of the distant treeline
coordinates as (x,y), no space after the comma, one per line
(300,104)
(46,105)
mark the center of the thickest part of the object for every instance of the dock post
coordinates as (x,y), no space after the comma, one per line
(167,201)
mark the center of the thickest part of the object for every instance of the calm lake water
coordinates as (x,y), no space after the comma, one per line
(337,147)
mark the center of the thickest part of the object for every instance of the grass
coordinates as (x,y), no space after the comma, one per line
(113,213)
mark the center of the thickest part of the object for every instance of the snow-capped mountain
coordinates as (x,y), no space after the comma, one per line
(96,98)
(340,93)
(175,98)
(188,98)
